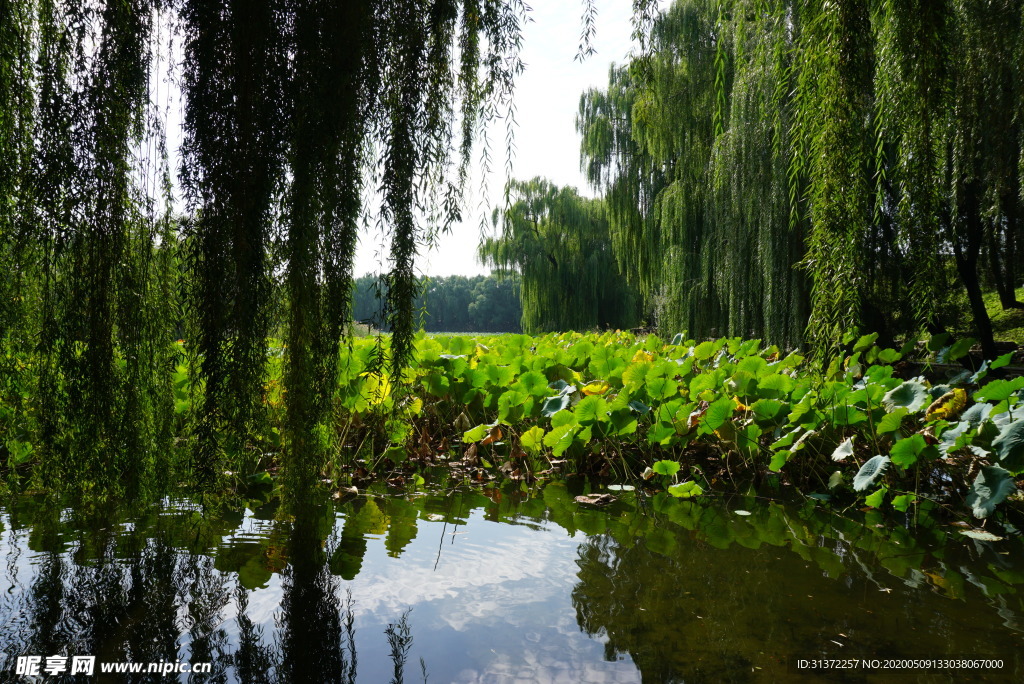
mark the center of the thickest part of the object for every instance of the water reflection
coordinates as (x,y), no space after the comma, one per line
(503,585)
(312,636)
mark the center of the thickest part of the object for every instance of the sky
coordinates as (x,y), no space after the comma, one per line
(547,98)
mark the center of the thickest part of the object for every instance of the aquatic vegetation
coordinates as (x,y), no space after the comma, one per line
(684,416)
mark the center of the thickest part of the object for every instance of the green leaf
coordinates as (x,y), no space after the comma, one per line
(904,453)
(937,342)
(865,342)
(889,356)
(765,410)
(835,480)
(870,473)
(624,425)
(684,490)
(955,437)
(876,498)
(843,450)
(775,385)
(779,459)
(531,440)
(555,404)
(475,434)
(748,439)
(636,375)
(1003,360)
(848,415)
(754,365)
(563,417)
(911,395)
(436,384)
(535,383)
(395,454)
(662,388)
(960,348)
(904,501)
(705,350)
(998,390)
(660,434)
(976,414)
(704,382)
(991,487)
(892,421)
(1009,446)
(639,407)
(560,438)
(668,468)
(510,405)
(592,409)
(718,412)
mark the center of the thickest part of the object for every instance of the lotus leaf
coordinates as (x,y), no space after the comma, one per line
(911,395)
(843,450)
(1009,446)
(991,487)
(870,473)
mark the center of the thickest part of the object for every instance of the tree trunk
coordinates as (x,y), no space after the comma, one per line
(1000,261)
(966,250)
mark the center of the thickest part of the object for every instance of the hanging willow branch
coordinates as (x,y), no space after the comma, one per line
(855,139)
(295,112)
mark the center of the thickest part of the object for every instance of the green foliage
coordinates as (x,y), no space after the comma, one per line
(990,488)
(448,304)
(1009,446)
(667,468)
(876,145)
(558,244)
(911,396)
(288,108)
(685,490)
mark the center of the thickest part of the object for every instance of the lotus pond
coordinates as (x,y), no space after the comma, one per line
(497,584)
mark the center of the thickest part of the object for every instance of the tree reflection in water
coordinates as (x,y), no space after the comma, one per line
(685,590)
(134,595)
(312,636)
(685,611)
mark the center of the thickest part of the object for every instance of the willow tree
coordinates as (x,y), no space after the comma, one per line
(690,146)
(804,168)
(78,236)
(626,173)
(295,112)
(306,101)
(559,244)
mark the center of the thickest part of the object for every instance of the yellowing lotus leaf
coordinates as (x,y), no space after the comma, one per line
(376,387)
(642,356)
(948,406)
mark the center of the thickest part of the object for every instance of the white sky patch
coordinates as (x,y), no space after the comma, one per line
(546,143)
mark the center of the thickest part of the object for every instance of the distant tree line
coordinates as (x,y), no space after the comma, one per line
(448,304)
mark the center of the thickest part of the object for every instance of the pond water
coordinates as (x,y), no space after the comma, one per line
(498,585)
